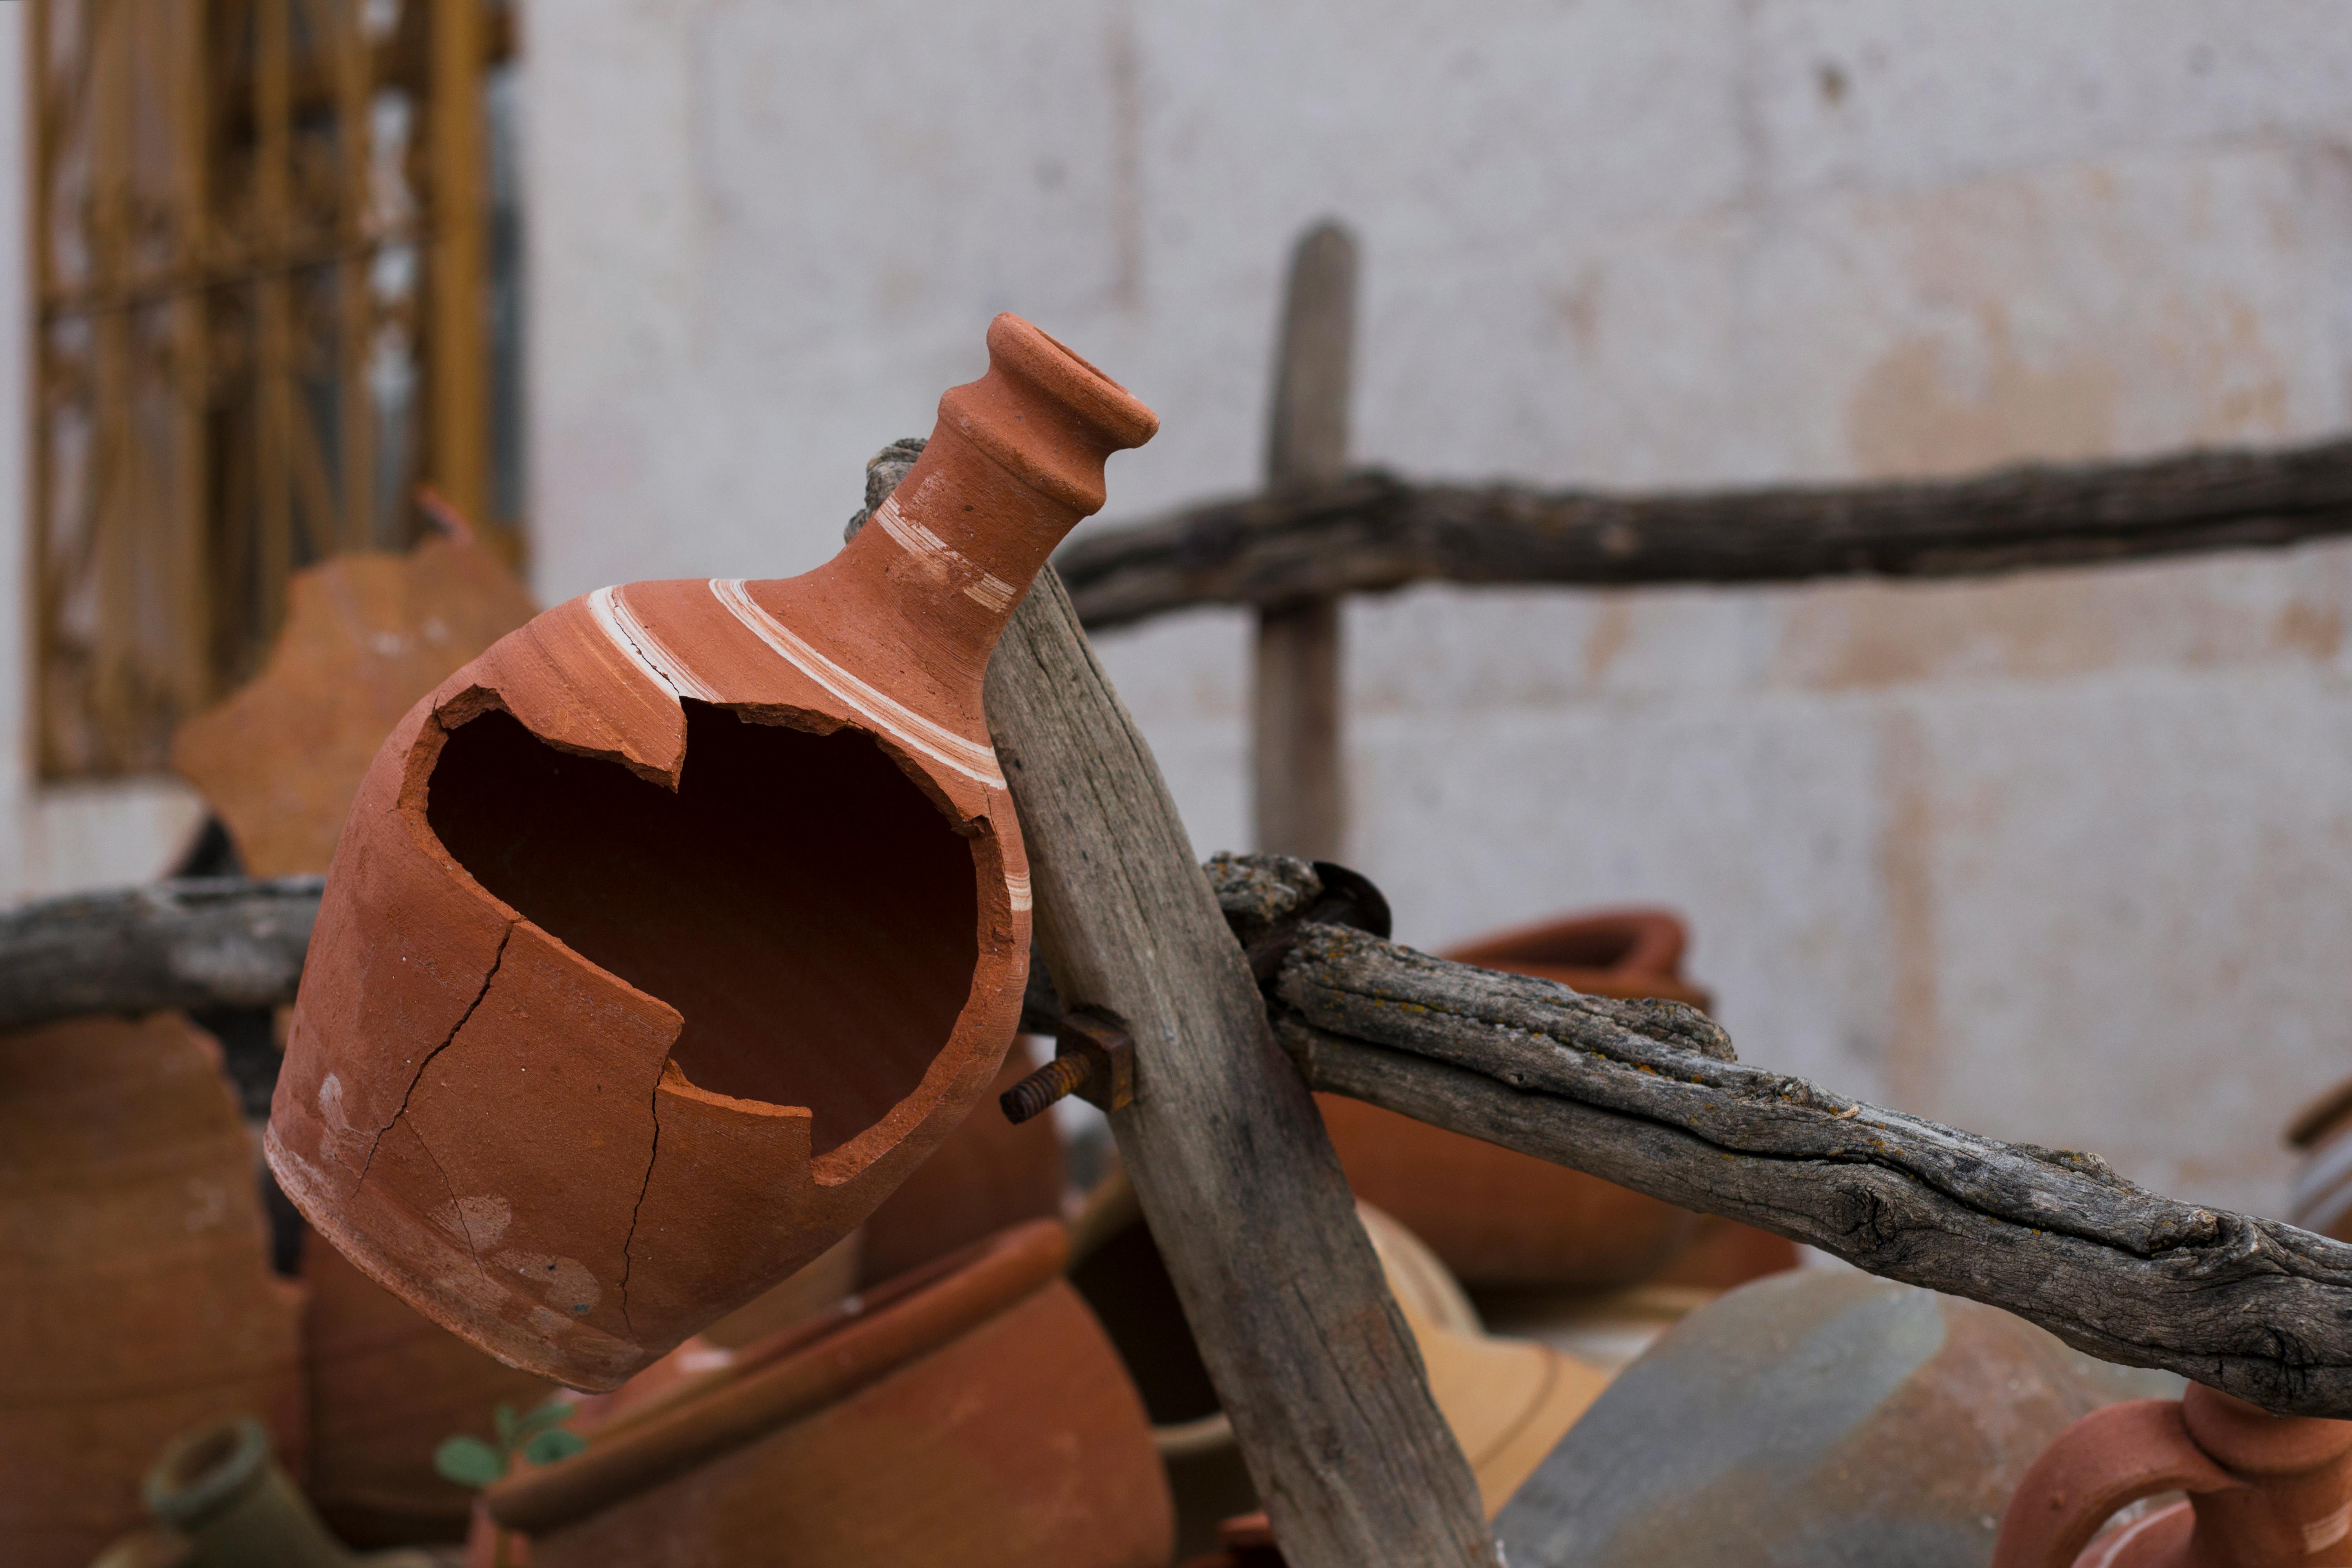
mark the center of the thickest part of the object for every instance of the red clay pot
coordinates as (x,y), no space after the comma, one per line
(2264,1491)
(973,1413)
(672,933)
(1502,1219)
(136,1300)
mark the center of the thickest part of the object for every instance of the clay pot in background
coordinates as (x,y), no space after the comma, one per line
(1633,952)
(1502,1219)
(1507,1401)
(985,1175)
(667,938)
(2264,1491)
(386,1385)
(1817,1416)
(2322,1133)
(971,1413)
(136,1298)
(365,636)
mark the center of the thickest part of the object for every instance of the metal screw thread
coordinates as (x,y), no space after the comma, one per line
(1055,1081)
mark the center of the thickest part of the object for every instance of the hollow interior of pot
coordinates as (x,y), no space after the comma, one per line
(1126,1282)
(804,907)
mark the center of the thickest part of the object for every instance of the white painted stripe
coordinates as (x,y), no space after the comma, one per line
(936,556)
(1019,887)
(2323,1533)
(602,608)
(2106,1551)
(889,714)
(658,653)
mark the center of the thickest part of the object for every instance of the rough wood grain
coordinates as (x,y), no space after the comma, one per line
(1371,532)
(1649,1095)
(198,943)
(1645,1094)
(1309,1354)
(1298,795)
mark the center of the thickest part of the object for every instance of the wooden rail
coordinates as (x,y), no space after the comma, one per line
(1371,532)
(1646,1094)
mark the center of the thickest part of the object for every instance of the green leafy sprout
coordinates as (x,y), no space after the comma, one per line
(539,1438)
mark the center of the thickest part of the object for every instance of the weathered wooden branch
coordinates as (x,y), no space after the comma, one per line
(1371,532)
(1647,1095)
(1310,1357)
(199,943)
(1650,1096)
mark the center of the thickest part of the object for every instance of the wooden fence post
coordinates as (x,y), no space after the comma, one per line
(1238,1181)
(1299,778)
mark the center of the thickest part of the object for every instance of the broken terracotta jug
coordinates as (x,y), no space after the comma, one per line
(2264,1491)
(668,936)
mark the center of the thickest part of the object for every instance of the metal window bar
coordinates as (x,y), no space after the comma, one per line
(259,263)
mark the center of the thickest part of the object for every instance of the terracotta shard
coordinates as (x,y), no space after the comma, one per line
(365,636)
(767,810)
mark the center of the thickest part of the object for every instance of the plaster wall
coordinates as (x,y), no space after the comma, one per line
(2066,857)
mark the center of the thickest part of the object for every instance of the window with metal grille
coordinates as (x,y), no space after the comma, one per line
(275,263)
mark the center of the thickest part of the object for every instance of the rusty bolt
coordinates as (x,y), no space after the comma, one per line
(1041,1088)
(1093,1058)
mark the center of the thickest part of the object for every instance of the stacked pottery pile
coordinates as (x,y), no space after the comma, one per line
(136,1297)
(128,1176)
(278,763)
(971,1412)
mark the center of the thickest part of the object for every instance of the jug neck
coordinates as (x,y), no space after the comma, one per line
(221,1487)
(1015,462)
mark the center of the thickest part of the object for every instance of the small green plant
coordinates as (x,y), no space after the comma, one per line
(539,1438)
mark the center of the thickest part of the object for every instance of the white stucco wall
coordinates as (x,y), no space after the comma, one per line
(2066,858)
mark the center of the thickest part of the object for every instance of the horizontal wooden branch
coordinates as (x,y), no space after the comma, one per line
(1646,1094)
(1371,532)
(198,943)
(1649,1095)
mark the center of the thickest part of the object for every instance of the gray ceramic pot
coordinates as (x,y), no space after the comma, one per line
(1816,1419)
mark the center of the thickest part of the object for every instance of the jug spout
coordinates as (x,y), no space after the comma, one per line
(1015,462)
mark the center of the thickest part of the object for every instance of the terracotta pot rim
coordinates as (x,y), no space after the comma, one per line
(797,1371)
(1659,937)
